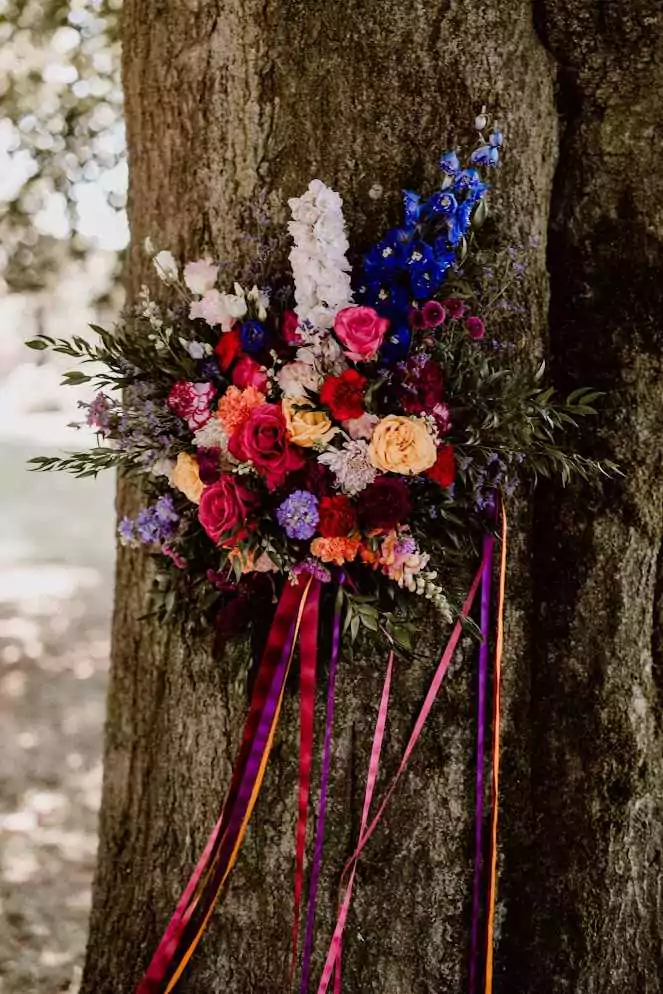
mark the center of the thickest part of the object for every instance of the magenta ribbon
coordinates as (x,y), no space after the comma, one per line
(322,805)
(488,543)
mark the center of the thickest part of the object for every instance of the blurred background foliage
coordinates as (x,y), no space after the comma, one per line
(63,172)
(63,230)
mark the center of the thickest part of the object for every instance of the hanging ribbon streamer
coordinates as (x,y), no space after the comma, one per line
(308,658)
(324,784)
(364,836)
(488,543)
(247,776)
(497,696)
(248,794)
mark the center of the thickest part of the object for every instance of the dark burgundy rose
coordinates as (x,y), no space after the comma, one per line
(420,385)
(384,504)
(314,477)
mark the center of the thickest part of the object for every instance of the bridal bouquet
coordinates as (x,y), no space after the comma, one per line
(359,418)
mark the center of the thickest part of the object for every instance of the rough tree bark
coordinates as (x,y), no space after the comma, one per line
(231,100)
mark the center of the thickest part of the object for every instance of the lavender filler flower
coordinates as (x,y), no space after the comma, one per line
(153,525)
(298,514)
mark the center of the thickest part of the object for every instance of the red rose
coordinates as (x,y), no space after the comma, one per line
(344,395)
(444,470)
(249,373)
(337,517)
(225,509)
(384,504)
(228,348)
(191,401)
(360,330)
(262,440)
(421,385)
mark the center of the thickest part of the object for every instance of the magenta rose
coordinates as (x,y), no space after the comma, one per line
(262,440)
(249,373)
(225,510)
(192,402)
(361,330)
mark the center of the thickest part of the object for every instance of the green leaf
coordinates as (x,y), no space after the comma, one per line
(38,344)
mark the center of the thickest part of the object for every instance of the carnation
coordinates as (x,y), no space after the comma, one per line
(344,394)
(337,516)
(192,401)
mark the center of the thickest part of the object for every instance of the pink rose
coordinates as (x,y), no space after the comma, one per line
(249,373)
(262,440)
(192,401)
(361,330)
(225,509)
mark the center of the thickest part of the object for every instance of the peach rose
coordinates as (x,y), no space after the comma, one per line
(306,426)
(186,477)
(402,445)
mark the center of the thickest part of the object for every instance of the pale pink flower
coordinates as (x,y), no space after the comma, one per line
(361,427)
(200,276)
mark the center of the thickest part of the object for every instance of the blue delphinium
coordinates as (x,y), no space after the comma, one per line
(253,336)
(298,515)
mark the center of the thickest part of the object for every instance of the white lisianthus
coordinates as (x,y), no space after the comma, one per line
(200,276)
(298,378)
(318,258)
(166,267)
(219,308)
(163,467)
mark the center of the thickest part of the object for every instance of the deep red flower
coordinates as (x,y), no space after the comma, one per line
(420,385)
(476,329)
(454,307)
(384,504)
(434,313)
(337,516)
(228,348)
(289,326)
(344,394)
(444,470)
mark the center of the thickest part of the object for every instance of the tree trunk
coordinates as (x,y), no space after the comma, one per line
(234,102)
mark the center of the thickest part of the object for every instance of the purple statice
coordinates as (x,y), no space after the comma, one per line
(153,525)
(99,413)
(313,568)
(127,532)
(298,514)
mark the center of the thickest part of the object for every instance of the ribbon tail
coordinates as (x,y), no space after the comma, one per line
(364,836)
(308,657)
(497,697)
(247,797)
(324,785)
(282,629)
(488,543)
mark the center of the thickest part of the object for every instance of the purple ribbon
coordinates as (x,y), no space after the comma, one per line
(488,544)
(322,807)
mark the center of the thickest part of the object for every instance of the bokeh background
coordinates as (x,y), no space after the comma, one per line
(63,230)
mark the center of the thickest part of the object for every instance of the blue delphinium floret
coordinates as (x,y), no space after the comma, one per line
(298,515)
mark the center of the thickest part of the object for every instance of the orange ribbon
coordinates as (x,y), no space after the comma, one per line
(497,690)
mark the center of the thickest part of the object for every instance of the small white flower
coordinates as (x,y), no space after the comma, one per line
(200,276)
(166,267)
(218,308)
(148,245)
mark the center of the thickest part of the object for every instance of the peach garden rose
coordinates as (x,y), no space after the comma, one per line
(402,445)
